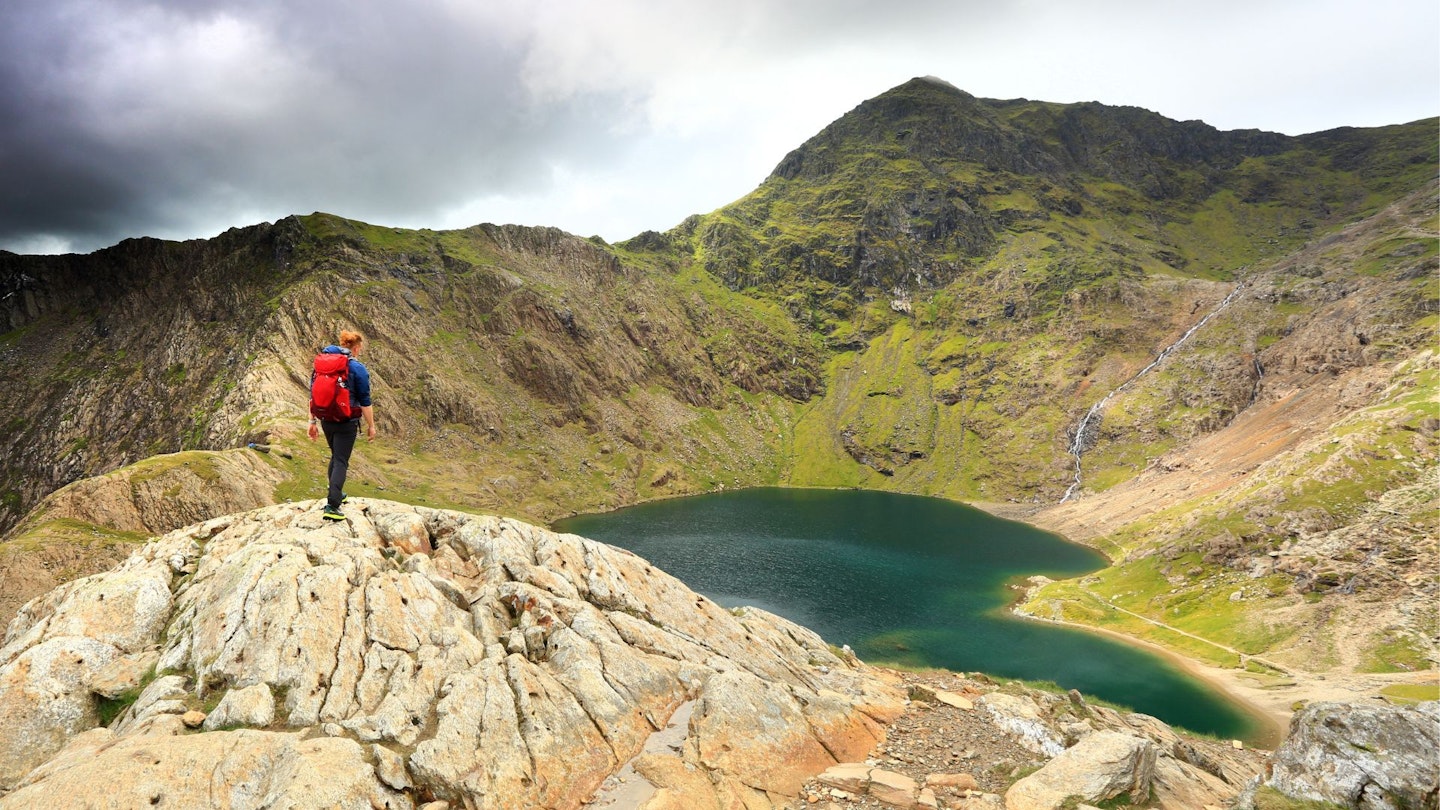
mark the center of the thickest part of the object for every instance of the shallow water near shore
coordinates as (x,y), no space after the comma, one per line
(905,580)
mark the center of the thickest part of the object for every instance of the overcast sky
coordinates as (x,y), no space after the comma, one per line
(181,119)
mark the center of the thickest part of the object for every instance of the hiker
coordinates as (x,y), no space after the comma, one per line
(339,399)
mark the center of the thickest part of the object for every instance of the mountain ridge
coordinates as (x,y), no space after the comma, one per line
(925,166)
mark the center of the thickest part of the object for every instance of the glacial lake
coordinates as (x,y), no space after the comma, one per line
(908,580)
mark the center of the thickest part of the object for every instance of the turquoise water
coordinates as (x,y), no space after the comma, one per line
(907,580)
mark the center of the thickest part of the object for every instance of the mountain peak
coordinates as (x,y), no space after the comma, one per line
(936,80)
(928,83)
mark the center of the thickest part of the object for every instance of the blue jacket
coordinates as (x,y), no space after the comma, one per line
(359,377)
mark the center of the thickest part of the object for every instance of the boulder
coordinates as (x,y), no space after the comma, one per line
(405,532)
(1021,716)
(1178,784)
(744,725)
(391,768)
(1361,756)
(1101,766)
(165,695)
(125,674)
(851,777)
(45,699)
(893,789)
(954,701)
(932,695)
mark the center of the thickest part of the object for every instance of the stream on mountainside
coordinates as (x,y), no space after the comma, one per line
(905,580)
(1085,436)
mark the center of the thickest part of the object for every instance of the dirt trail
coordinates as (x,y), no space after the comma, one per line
(1237,653)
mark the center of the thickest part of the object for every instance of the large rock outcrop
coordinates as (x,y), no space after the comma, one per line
(1357,756)
(510,667)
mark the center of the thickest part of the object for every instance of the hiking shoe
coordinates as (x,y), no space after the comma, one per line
(332,513)
(344,499)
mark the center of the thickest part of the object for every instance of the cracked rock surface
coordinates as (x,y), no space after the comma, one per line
(413,655)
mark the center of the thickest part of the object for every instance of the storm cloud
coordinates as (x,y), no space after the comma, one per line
(125,118)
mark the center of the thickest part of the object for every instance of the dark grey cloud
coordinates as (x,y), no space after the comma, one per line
(127,118)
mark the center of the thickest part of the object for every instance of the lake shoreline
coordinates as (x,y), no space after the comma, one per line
(976,542)
(1267,702)
(1273,719)
(1271,701)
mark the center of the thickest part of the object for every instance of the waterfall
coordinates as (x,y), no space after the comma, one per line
(1259,380)
(1084,432)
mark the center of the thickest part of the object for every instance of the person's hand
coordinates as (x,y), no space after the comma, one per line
(370,431)
(314,431)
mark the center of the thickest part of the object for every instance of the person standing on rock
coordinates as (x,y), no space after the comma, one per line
(339,400)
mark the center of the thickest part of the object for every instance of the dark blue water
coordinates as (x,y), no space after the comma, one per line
(906,580)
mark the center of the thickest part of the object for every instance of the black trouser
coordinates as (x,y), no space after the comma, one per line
(341,438)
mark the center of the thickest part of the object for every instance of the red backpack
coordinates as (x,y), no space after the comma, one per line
(330,388)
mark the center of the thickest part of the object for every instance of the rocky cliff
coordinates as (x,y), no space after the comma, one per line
(1360,757)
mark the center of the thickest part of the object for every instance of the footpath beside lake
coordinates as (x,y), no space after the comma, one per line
(909,581)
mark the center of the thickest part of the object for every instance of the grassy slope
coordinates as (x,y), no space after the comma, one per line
(1305,530)
(1031,294)
(664,382)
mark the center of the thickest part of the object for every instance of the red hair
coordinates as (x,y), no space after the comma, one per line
(350,339)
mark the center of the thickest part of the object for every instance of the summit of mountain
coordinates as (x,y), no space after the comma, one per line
(926,183)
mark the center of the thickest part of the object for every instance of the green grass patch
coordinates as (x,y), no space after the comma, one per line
(200,463)
(1395,652)
(1268,798)
(111,708)
(48,532)
(1411,693)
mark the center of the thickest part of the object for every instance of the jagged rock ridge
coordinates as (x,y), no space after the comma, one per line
(511,667)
